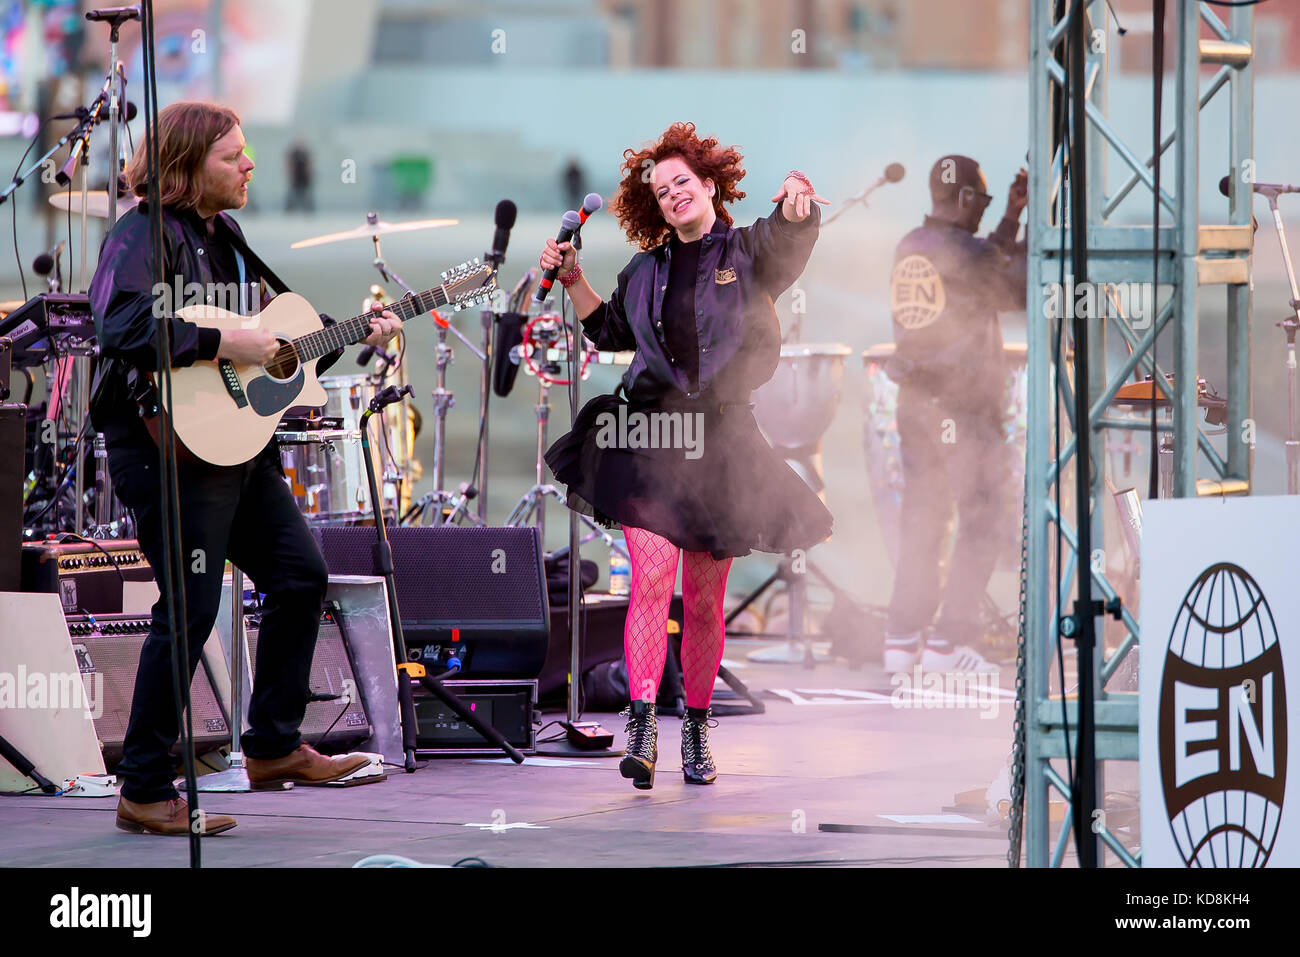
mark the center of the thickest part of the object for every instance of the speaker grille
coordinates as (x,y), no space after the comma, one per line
(451,575)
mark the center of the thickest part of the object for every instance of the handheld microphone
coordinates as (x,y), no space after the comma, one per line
(506,213)
(44,264)
(570,224)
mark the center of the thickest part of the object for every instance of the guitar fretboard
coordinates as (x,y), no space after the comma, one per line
(351,331)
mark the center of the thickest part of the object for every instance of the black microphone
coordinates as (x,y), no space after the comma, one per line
(114,14)
(44,264)
(570,224)
(369,352)
(506,213)
(1264,189)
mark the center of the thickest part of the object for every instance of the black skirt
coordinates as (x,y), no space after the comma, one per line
(707,483)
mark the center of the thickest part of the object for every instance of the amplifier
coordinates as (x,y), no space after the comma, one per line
(107,648)
(331,724)
(477,594)
(85,575)
(508,706)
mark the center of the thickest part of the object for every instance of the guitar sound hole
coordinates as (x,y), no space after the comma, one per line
(284,364)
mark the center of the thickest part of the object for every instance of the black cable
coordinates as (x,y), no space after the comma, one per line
(324,734)
(1157,92)
(1066,147)
(1233,3)
(13,212)
(94,544)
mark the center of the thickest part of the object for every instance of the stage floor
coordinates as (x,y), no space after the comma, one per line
(838,747)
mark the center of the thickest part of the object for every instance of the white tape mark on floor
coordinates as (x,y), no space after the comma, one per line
(929,819)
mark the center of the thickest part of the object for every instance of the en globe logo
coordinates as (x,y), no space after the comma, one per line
(1222,725)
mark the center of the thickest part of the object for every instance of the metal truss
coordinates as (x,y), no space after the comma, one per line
(1191,256)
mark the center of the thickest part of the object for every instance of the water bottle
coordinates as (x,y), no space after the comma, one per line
(620,573)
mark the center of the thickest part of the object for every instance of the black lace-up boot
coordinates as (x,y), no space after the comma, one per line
(697,760)
(642,749)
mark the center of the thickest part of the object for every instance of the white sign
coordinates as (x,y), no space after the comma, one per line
(1220,620)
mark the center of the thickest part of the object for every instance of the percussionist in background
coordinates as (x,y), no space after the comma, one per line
(946,289)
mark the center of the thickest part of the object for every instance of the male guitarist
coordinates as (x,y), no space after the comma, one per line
(241,512)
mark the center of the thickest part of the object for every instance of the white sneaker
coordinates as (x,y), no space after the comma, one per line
(901,655)
(960,659)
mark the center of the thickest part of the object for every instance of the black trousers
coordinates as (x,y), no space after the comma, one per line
(954,453)
(244,513)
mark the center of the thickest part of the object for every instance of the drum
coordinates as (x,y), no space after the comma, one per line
(323,460)
(795,407)
(885,464)
(314,459)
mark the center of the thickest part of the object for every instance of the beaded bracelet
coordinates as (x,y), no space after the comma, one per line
(803,179)
(572,276)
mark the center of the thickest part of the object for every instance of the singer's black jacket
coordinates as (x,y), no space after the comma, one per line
(122,300)
(742,269)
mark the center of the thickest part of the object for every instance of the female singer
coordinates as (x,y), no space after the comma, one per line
(696,306)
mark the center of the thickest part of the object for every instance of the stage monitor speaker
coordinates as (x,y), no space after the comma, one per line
(331,724)
(476,594)
(107,649)
(13,424)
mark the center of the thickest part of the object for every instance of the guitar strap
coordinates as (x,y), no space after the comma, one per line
(241,248)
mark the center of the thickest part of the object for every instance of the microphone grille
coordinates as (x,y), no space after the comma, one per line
(592,202)
(571,219)
(506,213)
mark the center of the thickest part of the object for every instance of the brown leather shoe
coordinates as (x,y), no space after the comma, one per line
(305,766)
(168,817)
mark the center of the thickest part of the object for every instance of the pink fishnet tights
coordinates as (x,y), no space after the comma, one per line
(645,634)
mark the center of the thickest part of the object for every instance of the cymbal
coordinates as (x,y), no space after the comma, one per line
(379,228)
(96,202)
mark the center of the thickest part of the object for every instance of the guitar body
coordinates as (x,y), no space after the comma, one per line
(209,418)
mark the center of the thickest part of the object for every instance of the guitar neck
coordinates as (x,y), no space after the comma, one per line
(351,331)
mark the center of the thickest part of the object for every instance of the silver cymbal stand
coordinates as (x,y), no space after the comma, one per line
(443,399)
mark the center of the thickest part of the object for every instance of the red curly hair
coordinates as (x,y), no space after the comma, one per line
(634,203)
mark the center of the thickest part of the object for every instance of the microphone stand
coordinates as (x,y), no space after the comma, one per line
(412,670)
(1289,325)
(853,200)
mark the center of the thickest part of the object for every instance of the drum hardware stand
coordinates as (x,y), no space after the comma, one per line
(797,589)
(407,670)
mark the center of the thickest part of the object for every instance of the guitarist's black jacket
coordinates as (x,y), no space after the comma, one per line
(125,298)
